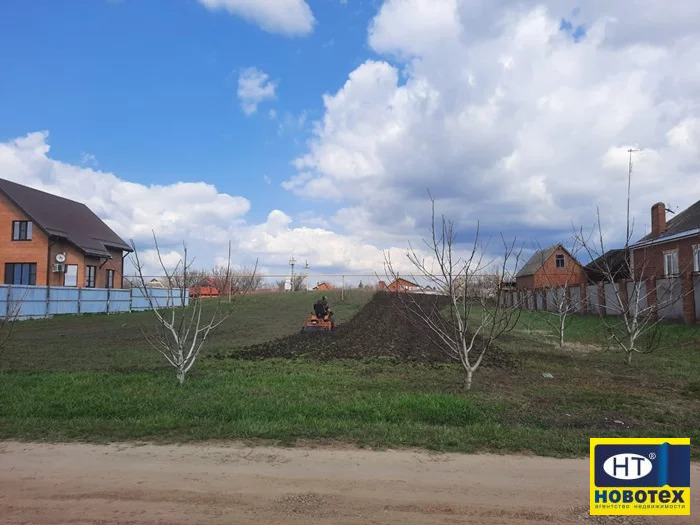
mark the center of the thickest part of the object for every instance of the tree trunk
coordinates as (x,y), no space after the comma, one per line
(468,384)
(561,335)
(180,376)
(629,358)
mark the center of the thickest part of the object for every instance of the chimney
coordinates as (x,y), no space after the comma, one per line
(658,219)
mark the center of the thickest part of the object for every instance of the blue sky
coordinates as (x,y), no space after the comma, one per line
(149,88)
(158,114)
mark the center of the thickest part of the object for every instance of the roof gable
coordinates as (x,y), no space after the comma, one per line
(64,218)
(540,257)
(402,282)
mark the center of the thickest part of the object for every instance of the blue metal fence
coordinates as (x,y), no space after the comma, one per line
(36,302)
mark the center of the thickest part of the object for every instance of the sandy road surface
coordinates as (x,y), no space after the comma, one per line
(129,484)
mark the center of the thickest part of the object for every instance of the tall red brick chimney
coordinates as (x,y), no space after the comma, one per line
(658,219)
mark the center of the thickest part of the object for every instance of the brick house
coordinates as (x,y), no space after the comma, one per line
(402,285)
(323,287)
(56,241)
(549,268)
(671,250)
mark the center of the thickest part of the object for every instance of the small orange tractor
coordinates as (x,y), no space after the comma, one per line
(319,321)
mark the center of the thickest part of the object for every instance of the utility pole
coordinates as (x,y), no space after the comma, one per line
(306,274)
(292,262)
(629,187)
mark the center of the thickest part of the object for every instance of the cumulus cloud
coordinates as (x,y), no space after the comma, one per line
(287,17)
(196,213)
(511,119)
(254,86)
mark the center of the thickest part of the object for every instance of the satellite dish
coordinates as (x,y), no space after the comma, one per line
(60,257)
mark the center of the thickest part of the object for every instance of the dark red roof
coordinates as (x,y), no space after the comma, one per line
(64,218)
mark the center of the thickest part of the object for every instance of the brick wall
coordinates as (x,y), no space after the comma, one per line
(34,251)
(42,251)
(650,260)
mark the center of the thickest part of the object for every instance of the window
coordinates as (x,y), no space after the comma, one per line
(696,258)
(20,273)
(671,263)
(71,277)
(110,279)
(21,230)
(90,272)
(560,261)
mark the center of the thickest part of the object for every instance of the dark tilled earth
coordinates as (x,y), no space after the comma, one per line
(383,328)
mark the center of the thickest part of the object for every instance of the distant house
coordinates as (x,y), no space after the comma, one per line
(157,282)
(204,288)
(672,248)
(549,268)
(402,285)
(56,241)
(322,287)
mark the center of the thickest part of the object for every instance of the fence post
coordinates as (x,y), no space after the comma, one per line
(7,301)
(688,298)
(342,290)
(651,297)
(79,299)
(602,307)
(48,300)
(108,296)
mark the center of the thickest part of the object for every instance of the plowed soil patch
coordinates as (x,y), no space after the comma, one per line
(383,328)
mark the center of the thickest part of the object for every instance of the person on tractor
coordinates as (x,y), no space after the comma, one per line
(321,308)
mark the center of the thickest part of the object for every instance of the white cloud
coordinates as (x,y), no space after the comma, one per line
(509,119)
(287,17)
(254,87)
(196,213)
(88,159)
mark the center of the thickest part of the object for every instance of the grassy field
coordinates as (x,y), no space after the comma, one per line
(94,379)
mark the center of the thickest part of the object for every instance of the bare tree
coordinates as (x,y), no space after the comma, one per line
(559,284)
(13,309)
(476,313)
(634,329)
(298,283)
(246,278)
(182,325)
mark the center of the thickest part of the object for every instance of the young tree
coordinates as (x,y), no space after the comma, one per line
(182,326)
(476,313)
(559,284)
(10,316)
(634,329)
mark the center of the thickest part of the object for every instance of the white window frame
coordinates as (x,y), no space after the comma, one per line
(696,258)
(667,272)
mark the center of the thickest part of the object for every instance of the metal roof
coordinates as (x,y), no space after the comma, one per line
(685,223)
(64,218)
(537,261)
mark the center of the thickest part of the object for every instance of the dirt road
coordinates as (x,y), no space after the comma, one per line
(130,484)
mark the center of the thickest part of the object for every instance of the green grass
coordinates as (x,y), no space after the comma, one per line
(94,379)
(116,342)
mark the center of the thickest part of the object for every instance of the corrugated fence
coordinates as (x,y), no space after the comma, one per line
(36,302)
(674,298)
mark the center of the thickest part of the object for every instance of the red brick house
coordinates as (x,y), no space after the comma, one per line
(402,285)
(56,241)
(323,287)
(671,250)
(550,268)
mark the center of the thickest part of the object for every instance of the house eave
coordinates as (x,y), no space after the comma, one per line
(668,238)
